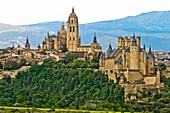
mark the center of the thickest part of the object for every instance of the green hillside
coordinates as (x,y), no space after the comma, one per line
(69,84)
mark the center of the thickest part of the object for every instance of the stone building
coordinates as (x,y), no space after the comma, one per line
(68,39)
(131,65)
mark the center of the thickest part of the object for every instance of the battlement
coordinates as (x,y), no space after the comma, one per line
(127,42)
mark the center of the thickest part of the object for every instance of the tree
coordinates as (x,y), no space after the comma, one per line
(69,57)
(43,52)
(1,66)
(5,51)
(161,66)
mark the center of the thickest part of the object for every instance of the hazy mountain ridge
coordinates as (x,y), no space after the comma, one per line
(153,27)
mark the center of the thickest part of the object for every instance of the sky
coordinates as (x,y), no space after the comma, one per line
(22,12)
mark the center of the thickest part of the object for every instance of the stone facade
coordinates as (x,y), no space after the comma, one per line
(70,39)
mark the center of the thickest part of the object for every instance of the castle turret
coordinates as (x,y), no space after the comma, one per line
(138,41)
(72,32)
(150,62)
(144,61)
(27,45)
(134,55)
(120,42)
(150,51)
(144,47)
(109,49)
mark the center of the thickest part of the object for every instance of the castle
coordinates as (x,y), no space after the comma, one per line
(131,66)
(69,39)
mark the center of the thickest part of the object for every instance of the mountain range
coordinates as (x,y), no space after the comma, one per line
(153,27)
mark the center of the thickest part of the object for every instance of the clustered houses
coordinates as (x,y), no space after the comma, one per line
(131,66)
(55,46)
(162,57)
(16,54)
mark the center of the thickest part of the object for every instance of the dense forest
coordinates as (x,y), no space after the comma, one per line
(75,84)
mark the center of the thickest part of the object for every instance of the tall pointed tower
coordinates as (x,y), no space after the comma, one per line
(27,44)
(72,31)
(134,55)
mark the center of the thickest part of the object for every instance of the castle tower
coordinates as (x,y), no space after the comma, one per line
(138,41)
(134,55)
(27,45)
(72,32)
(144,61)
(124,57)
(150,62)
(158,76)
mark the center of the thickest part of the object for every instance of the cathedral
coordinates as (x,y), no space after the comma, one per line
(68,39)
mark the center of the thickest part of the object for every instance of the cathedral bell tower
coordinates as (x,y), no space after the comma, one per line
(72,32)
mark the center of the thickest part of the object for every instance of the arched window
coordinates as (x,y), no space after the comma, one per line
(72,21)
(70,29)
(70,38)
(73,29)
(111,71)
(73,38)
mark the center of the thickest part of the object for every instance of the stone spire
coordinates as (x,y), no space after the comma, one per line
(94,39)
(109,49)
(134,41)
(62,26)
(27,45)
(48,34)
(133,35)
(27,41)
(72,9)
(144,47)
(150,51)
